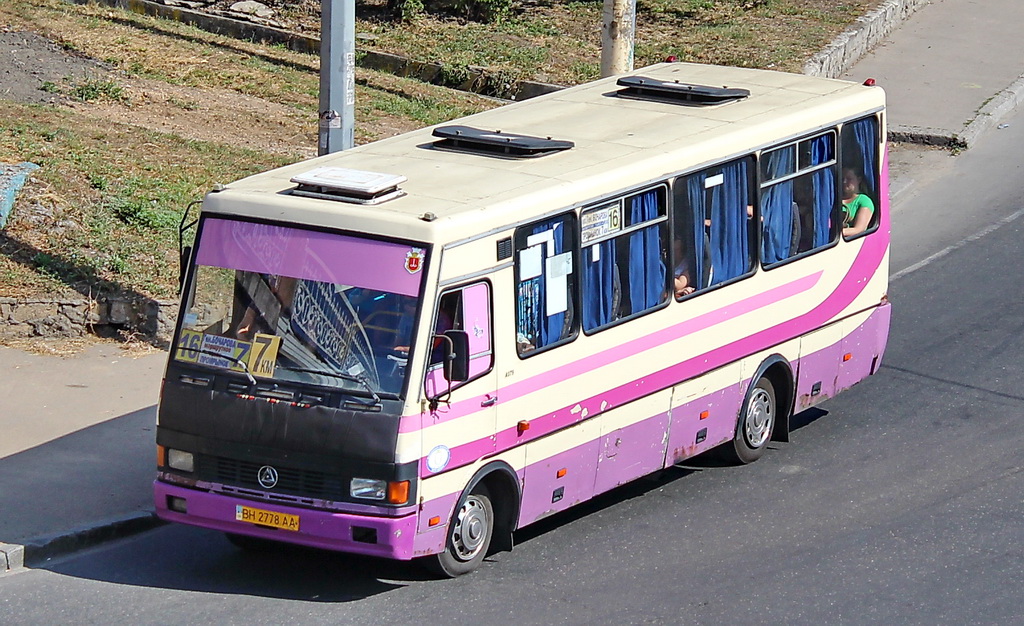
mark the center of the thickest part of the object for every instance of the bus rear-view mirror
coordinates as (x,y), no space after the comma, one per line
(456,362)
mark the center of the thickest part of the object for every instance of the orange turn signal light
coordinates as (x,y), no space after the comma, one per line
(398,492)
(522,426)
(560,473)
(847,357)
(704,414)
(434,521)
(161,456)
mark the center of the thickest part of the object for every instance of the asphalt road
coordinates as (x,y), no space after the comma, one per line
(898,502)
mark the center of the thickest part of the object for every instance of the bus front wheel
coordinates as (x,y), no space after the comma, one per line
(469,536)
(755,424)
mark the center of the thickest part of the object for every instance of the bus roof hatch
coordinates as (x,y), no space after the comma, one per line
(348,185)
(644,88)
(497,143)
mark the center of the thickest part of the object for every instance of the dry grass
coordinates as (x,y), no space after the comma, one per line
(178,109)
(560,42)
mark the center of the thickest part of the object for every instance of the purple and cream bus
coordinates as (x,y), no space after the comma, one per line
(415,347)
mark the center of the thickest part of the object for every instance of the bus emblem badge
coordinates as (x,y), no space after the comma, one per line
(267,477)
(414,260)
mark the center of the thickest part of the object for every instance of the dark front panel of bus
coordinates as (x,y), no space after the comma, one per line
(317,449)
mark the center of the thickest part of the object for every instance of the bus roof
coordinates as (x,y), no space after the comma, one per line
(620,143)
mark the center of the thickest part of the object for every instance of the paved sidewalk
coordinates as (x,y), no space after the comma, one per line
(76,435)
(950,71)
(77,448)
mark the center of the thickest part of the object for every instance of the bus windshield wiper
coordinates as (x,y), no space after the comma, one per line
(359,380)
(221,355)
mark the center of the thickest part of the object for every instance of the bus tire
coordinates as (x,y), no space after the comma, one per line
(755,424)
(469,536)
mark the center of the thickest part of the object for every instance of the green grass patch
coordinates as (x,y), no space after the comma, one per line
(102,215)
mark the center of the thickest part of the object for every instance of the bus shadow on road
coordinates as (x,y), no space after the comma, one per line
(710,460)
(188,559)
(182,558)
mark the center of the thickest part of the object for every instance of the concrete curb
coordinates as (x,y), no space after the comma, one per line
(926,136)
(40,549)
(12,556)
(998,107)
(992,111)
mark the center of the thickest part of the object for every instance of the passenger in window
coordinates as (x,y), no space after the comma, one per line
(857,207)
(683,274)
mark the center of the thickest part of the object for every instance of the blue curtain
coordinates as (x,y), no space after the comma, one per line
(646,269)
(599,285)
(729,231)
(698,209)
(865,131)
(822,150)
(777,206)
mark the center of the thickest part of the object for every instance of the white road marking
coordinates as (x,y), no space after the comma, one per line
(960,244)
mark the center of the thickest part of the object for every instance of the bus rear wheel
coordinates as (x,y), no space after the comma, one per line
(755,424)
(469,536)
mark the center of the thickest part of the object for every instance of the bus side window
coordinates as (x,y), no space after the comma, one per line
(713,232)
(449,317)
(623,274)
(545,283)
(466,308)
(798,197)
(860,189)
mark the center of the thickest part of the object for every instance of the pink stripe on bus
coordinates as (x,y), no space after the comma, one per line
(410,423)
(866,263)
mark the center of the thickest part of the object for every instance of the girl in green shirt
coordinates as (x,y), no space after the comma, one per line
(857,207)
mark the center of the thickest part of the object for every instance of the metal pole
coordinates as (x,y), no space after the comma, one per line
(618,32)
(337,75)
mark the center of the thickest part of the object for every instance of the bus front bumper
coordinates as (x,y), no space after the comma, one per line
(388,537)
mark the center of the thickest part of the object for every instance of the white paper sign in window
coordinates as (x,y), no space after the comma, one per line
(531,262)
(557,270)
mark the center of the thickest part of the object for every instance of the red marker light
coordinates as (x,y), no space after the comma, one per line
(671,58)
(869,82)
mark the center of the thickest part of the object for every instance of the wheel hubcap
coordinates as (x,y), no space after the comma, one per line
(760,414)
(470,529)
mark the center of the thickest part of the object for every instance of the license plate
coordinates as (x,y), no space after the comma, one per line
(283,521)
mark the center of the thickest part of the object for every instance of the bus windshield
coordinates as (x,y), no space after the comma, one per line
(302,306)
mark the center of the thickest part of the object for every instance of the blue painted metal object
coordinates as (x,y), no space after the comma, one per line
(12,178)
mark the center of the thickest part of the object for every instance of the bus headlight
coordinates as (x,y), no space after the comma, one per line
(181,461)
(368,488)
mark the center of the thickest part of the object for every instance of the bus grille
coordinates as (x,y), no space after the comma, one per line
(303,483)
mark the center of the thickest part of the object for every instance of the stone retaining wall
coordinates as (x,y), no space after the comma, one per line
(39,317)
